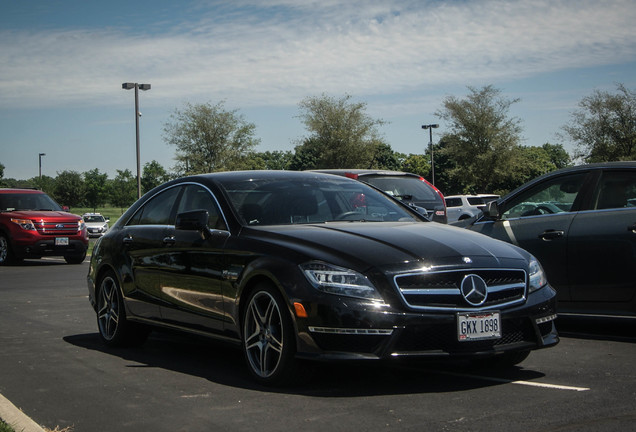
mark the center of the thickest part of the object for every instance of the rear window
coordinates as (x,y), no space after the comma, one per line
(401,187)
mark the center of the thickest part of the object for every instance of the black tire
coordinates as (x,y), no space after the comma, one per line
(75,259)
(114,328)
(5,250)
(269,341)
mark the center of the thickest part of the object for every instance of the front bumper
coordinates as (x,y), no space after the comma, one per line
(356,331)
(47,247)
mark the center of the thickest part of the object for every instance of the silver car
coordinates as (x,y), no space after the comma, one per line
(460,207)
(96,224)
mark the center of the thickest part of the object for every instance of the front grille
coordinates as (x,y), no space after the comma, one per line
(441,290)
(443,338)
(57,228)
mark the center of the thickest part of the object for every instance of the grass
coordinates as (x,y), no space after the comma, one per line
(6,428)
(112,213)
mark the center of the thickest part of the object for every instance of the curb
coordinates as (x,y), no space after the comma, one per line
(15,418)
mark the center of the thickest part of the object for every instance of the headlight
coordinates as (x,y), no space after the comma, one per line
(25,224)
(339,281)
(536,276)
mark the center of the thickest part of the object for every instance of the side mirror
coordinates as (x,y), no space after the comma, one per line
(492,210)
(195,220)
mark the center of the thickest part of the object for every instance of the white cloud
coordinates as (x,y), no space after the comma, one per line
(279,51)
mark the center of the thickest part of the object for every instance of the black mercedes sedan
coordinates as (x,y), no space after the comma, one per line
(297,266)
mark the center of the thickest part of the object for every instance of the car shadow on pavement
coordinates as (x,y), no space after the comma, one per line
(223,364)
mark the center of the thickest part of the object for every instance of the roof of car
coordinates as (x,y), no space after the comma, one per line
(363,172)
(22,190)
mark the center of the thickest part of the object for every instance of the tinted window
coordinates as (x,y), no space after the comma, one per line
(403,186)
(277,202)
(196,197)
(27,201)
(158,210)
(617,189)
(554,196)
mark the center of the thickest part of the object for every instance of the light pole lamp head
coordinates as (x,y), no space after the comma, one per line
(431,126)
(144,86)
(128,86)
(42,154)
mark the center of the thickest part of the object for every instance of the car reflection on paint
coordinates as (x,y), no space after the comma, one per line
(298,266)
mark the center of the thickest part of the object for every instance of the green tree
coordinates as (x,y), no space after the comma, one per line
(416,164)
(95,188)
(306,156)
(481,138)
(123,189)
(385,158)
(153,174)
(44,183)
(604,126)
(1,171)
(209,138)
(342,135)
(69,188)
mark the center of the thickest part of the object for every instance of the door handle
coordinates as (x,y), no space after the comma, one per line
(632,228)
(127,240)
(169,240)
(551,235)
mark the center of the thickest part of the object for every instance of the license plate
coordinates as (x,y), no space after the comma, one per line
(478,326)
(61,241)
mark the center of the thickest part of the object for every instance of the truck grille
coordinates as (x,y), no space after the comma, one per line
(57,228)
(441,290)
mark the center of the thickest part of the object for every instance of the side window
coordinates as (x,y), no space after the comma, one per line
(453,202)
(158,210)
(554,196)
(196,197)
(617,189)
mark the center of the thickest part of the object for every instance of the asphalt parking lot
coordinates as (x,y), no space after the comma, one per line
(53,367)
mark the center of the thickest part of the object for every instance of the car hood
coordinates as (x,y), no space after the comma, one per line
(391,244)
(44,214)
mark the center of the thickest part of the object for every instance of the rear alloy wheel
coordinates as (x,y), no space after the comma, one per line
(114,328)
(268,337)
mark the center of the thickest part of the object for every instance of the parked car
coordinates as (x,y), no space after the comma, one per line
(460,207)
(296,266)
(580,223)
(409,188)
(96,224)
(32,225)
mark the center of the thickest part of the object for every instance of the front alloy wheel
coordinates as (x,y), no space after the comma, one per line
(268,339)
(4,249)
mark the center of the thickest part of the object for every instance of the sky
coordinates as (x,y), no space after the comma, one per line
(62,65)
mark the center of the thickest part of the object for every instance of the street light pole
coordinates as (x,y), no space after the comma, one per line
(430,128)
(40,163)
(136,86)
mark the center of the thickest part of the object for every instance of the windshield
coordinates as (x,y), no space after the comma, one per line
(27,201)
(94,219)
(277,201)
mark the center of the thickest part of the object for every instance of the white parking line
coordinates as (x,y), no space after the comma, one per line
(508,381)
